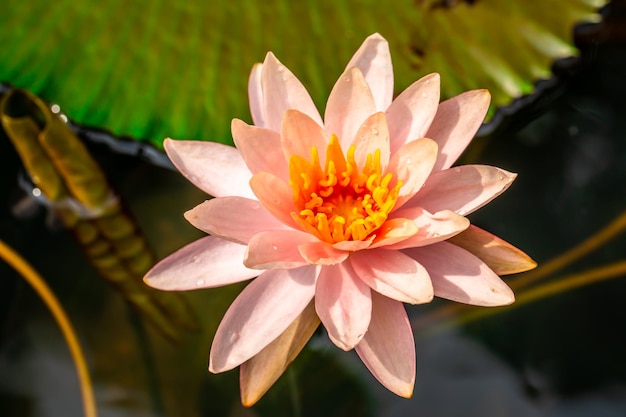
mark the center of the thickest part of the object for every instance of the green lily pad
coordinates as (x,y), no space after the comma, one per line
(151,69)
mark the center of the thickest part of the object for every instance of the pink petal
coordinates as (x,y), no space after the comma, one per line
(263,310)
(255,95)
(275,195)
(349,104)
(206,263)
(283,91)
(373,135)
(455,124)
(462,189)
(394,275)
(412,164)
(322,253)
(374,61)
(412,112)
(388,348)
(460,276)
(502,257)
(260,372)
(393,231)
(353,245)
(344,304)
(300,133)
(260,148)
(232,218)
(218,170)
(277,249)
(432,228)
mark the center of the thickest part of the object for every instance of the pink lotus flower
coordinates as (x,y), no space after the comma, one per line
(341,219)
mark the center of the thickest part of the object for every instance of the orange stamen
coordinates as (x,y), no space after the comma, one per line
(339,202)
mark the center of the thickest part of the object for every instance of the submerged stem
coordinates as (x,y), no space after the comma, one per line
(607,233)
(293,393)
(521,281)
(37,283)
(567,283)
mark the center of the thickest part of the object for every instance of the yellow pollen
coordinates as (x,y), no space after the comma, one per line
(341,201)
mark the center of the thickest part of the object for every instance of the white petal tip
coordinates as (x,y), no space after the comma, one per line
(433,76)
(159,283)
(500,297)
(376,36)
(346,343)
(217,369)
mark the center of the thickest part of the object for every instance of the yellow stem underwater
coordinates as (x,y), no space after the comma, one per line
(567,283)
(610,231)
(40,287)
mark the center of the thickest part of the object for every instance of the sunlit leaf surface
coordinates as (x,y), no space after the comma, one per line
(151,69)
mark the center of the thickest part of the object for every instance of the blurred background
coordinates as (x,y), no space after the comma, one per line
(125,76)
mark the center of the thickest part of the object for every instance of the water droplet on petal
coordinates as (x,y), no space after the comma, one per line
(409,161)
(457,170)
(374,131)
(274,247)
(424,94)
(194,259)
(200,282)
(436,234)
(346,79)
(233,337)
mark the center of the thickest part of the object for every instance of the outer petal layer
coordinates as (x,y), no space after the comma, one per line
(462,189)
(502,257)
(374,61)
(283,91)
(233,218)
(227,174)
(456,123)
(388,349)
(277,249)
(206,263)
(259,373)
(263,310)
(458,275)
(412,112)
(394,275)
(344,304)
(260,149)
(255,95)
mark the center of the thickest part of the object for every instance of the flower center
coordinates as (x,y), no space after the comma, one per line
(339,202)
